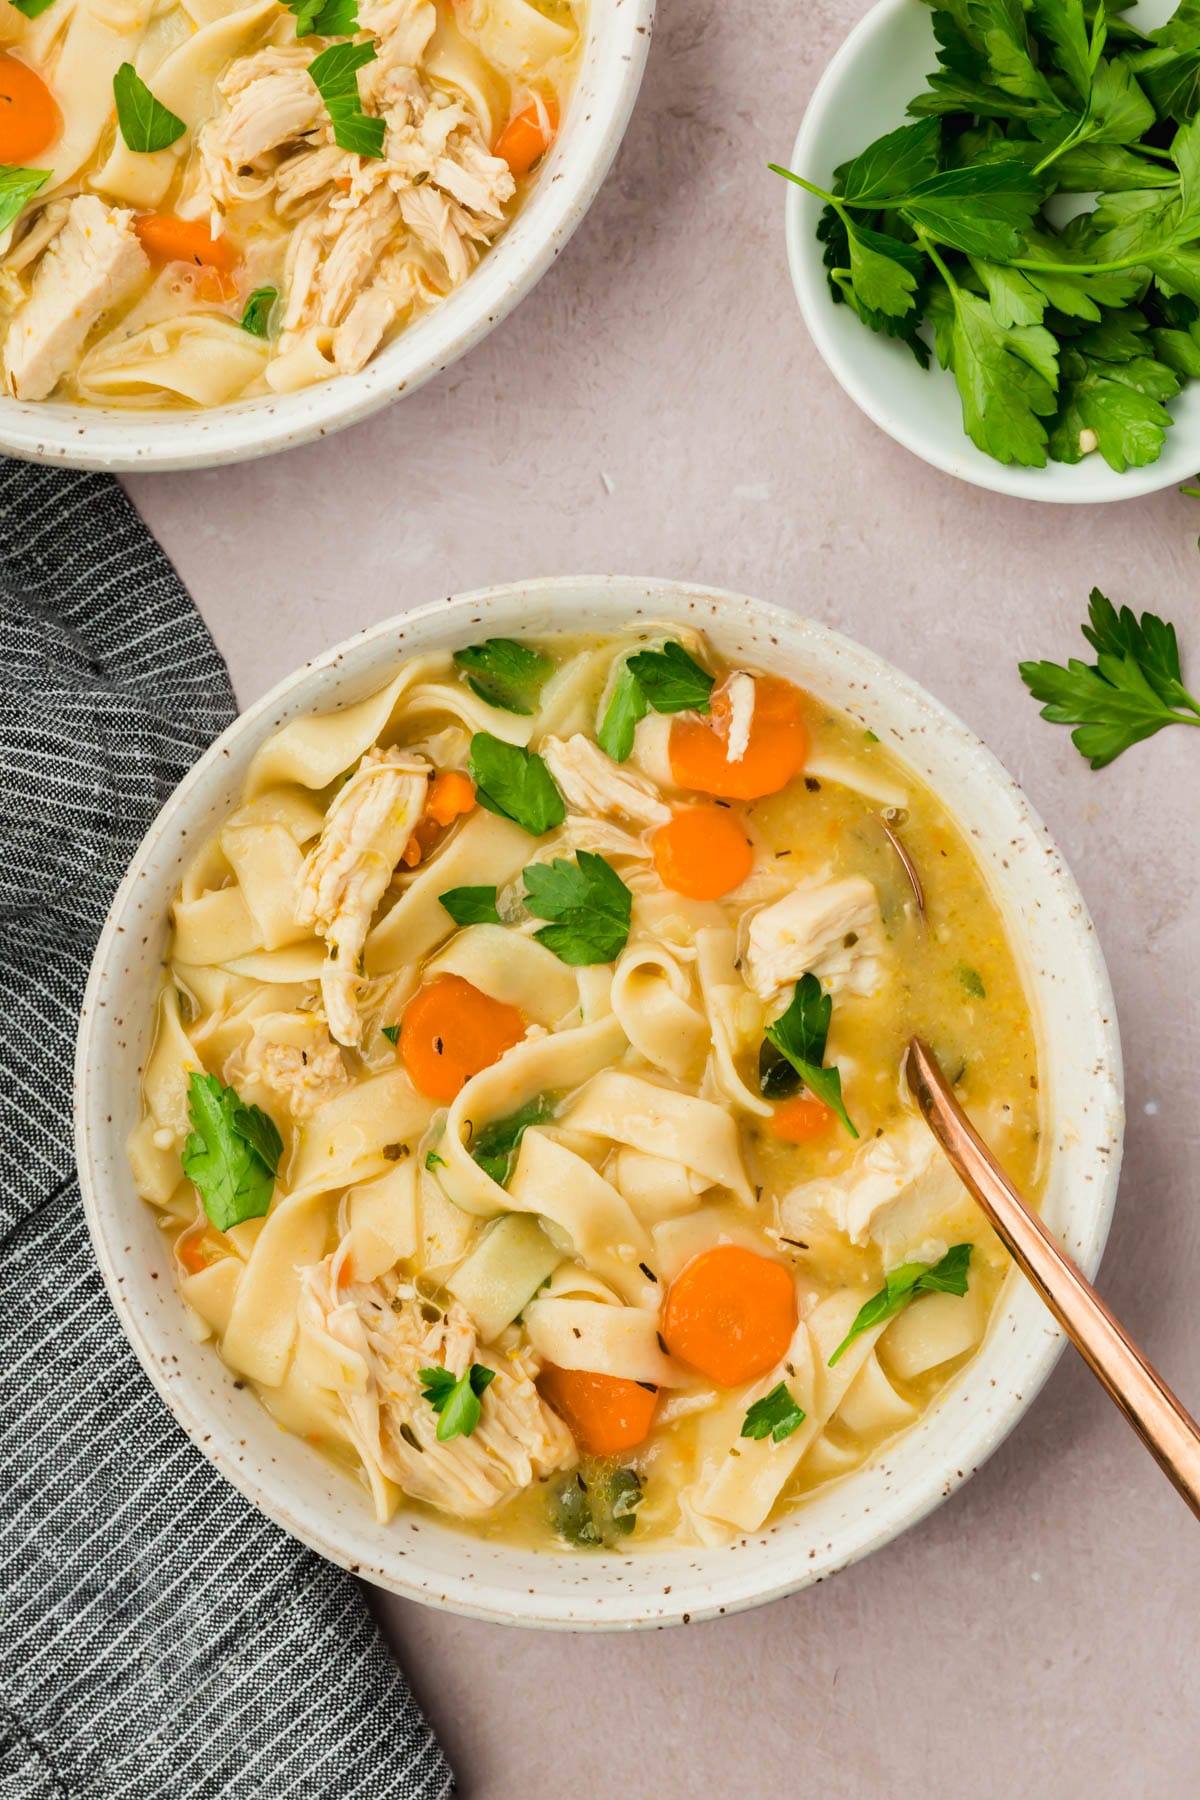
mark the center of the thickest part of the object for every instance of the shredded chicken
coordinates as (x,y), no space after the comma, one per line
(293,1054)
(377,235)
(831,929)
(518,1439)
(894,1194)
(344,877)
(740,688)
(92,264)
(592,783)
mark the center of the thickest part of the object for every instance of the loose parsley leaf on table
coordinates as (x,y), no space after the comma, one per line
(1134,687)
(589,904)
(505,673)
(455,1399)
(800,1034)
(145,123)
(775,1416)
(232,1152)
(335,74)
(515,783)
(904,1284)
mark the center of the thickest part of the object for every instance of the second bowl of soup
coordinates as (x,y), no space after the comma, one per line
(517,1108)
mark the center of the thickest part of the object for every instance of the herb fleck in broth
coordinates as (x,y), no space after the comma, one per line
(570,1227)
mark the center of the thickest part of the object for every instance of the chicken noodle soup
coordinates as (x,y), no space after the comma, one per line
(209,199)
(525,1106)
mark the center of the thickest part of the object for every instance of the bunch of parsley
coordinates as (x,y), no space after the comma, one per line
(1067,326)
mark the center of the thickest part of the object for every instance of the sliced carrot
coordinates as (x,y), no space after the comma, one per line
(702,852)
(195,1252)
(605,1412)
(166,239)
(451,793)
(216,285)
(29,115)
(425,835)
(699,746)
(528,135)
(801,1120)
(450,1031)
(730,1314)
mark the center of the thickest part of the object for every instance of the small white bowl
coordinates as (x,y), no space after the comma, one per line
(1080,1064)
(863,94)
(92,437)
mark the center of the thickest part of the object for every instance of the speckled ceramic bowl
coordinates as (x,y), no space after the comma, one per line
(1080,1061)
(90,437)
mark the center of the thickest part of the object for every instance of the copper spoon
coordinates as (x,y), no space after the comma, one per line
(1165,1427)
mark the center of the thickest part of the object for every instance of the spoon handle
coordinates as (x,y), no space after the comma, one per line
(1168,1431)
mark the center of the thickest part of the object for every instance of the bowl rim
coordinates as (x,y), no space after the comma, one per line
(130,440)
(1089,483)
(710,1594)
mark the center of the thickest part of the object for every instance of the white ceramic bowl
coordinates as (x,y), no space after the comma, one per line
(89,437)
(862,94)
(1080,1062)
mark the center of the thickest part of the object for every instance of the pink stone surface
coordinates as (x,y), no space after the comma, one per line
(657,408)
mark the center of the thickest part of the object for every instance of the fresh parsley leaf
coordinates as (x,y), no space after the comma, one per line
(982,210)
(471,905)
(801,1034)
(146,124)
(17,187)
(1007,376)
(893,164)
(455,1400)
(1116,392)
(777,1079)
(972,982)
(232,1152)
(671,680)
(496,1145)
(434,1161)
(625,1495)
(505,673)
(775,1416)
(335,73)
(391,1033)
(1133,689)
(32,9)
(589,903)
(324,18)
(1169,67)
(903,1285)
(256,319)
(885,272)
(515,783)
(626,706)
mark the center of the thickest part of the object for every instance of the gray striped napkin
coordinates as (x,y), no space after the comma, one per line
(157,1636)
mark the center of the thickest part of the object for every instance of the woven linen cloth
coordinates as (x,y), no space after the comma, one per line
(158,1637)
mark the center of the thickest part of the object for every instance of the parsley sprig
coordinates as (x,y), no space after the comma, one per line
(589,904)
(515,783)
(145,123)
(335,73)
(800,1035)
(232,1152)
(1134,687)
(455,1399)
(496,1144)
(1062,339)
(505,673)
(903,1285)
(17,188)
(664,681)
(775,1416)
